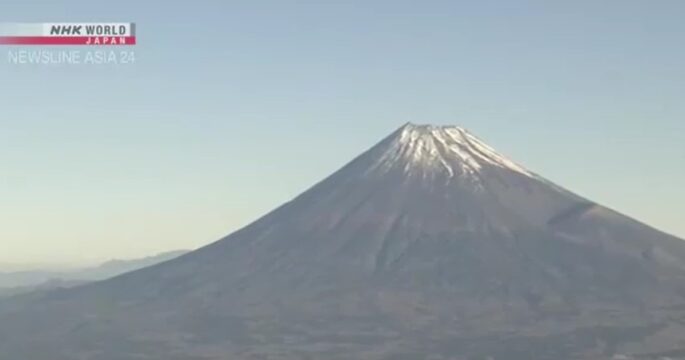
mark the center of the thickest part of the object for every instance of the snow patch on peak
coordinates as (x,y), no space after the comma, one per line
(452,149)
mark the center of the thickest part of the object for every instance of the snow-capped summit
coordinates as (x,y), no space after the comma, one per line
(449,149)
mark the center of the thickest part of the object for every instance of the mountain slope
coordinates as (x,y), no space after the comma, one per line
(429,244)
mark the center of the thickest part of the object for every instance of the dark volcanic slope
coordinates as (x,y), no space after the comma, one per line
(428,245)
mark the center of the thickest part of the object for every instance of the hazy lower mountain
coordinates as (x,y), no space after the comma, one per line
(28,277)
(47,285)
(430,245)
(115,267)
(18,282)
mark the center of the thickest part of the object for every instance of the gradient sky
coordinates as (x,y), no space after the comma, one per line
(235,107)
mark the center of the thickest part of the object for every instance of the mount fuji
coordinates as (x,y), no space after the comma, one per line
(430,245)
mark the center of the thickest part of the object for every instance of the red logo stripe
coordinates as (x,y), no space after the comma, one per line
(68,40)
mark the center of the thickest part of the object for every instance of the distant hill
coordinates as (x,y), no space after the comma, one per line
(17,282)
(44,286)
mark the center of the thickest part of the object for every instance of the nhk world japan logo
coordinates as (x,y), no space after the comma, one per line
(94,34)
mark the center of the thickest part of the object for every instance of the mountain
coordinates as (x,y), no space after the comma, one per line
(430,245)
(115,267)
(43,286)
(17,282)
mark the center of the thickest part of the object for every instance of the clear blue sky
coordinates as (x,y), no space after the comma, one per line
(235,107)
